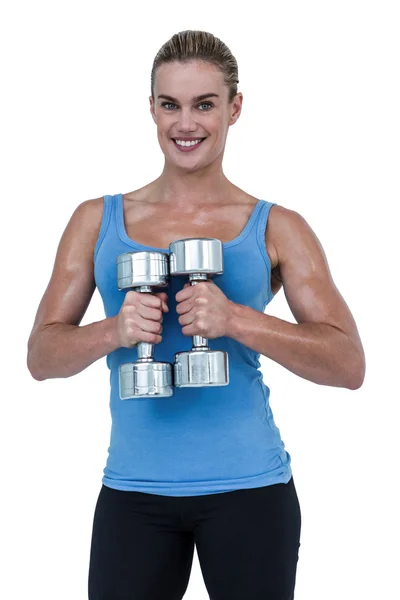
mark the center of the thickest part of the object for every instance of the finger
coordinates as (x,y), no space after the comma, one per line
(151,338)
(188,330)
(184,294)
(148,299)
(164,299)
(150,326)
(149,312)
(184,307)
(162,295)
(186,319)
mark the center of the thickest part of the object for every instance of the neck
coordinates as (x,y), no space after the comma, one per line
(188,190)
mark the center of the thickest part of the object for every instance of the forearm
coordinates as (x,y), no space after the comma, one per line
(63,350)
(315,351)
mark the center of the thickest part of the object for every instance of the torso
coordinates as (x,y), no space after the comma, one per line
(158,224)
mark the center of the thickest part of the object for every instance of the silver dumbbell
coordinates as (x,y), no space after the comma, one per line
(145,378)
(198,258)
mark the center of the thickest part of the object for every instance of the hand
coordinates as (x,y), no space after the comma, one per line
(204,310)
(140,318)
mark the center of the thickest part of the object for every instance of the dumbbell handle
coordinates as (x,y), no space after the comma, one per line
(199,341)
(144,349)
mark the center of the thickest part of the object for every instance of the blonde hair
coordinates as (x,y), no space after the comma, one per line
(191,45)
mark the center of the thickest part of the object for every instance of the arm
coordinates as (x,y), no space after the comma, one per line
(324,345)
(58,346)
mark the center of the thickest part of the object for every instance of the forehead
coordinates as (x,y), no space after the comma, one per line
(194,77)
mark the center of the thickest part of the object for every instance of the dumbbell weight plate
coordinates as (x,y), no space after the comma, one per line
(199,368)
(196,255)
(145,380)
(136,269)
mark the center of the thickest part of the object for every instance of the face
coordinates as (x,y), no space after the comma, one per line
(191,103)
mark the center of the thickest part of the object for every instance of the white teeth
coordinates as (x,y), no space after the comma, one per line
(180,143)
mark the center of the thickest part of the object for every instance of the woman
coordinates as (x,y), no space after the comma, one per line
(206,466)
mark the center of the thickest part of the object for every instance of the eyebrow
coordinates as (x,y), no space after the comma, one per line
(195,99)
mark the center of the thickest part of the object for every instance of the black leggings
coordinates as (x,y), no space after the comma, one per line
(247,542)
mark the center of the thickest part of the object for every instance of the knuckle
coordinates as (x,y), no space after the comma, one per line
(133,297)
(201,326)
(126,308)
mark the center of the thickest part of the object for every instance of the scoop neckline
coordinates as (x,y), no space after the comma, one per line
(125,238)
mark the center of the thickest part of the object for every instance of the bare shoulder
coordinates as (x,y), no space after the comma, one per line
(85,223)
(287,230)
(90,213)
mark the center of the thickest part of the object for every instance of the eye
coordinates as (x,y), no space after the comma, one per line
(168,103)
(209,104)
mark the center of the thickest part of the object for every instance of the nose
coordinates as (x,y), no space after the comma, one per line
(186,121)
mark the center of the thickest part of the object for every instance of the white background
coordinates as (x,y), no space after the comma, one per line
(319,133)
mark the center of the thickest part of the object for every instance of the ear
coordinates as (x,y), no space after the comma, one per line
(236,108)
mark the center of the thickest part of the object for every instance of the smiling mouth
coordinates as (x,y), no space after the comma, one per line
(187,145)
(189,139)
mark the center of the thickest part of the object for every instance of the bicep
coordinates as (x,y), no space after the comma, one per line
(307,281)
(71,284)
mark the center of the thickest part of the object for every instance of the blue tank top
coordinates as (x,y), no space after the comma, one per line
(200,440)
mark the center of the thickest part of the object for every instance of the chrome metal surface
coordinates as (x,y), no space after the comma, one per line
(145,378)
(198,258)
(137,269)
(196,255)
(201,368)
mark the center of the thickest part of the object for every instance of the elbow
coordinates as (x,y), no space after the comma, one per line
(358,373)
(38,378)
(356,383)
(32,357)
(34,373)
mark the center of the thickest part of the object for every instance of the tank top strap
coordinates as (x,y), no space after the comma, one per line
(108,221)
(261,229)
